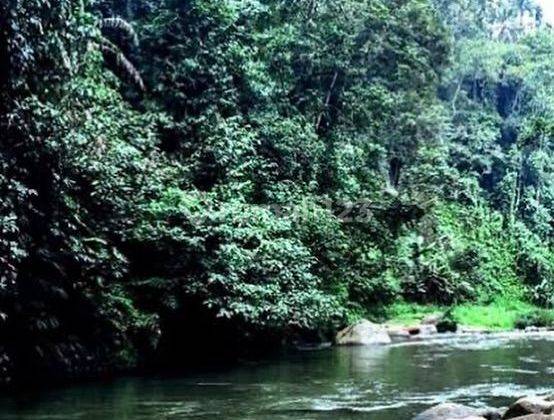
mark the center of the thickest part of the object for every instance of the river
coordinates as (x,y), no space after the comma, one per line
(381,383)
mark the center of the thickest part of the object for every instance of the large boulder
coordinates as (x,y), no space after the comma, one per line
(449,411)
(537,417)
(530,405)
(363,333)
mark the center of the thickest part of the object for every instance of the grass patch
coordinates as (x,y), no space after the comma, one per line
(502,314)
(411,313)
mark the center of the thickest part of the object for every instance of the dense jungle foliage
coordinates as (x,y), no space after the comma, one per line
(182,174)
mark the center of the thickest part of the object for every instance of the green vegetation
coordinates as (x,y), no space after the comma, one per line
(498,315)
(541,318)
(501,315)
(175,175)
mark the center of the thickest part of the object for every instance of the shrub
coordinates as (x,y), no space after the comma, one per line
(538,318)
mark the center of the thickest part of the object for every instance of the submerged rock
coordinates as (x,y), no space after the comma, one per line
(530,405)
(363,333)
(306,346)
(449,411)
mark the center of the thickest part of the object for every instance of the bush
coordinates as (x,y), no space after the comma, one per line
(243,262)
(538,318)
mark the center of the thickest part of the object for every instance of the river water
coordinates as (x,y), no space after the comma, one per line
(381,383)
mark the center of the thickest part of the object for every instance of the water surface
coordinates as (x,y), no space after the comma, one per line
(381,383)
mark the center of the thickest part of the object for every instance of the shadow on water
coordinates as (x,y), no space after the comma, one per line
(381,383)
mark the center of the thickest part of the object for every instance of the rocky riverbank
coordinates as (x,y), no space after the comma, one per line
(368,333)
(527,408)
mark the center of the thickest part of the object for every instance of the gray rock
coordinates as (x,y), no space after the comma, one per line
(492,414)
(529,405)
(449,411)
(536,417)
(470,418)
(423,330)
(414,331)
(432,319)
(532,329)
(428,329)
(363,333)
(399,334)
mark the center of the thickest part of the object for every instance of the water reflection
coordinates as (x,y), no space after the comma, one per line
(381,383)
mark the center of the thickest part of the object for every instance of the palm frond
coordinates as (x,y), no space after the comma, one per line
(110,49)
(122,25)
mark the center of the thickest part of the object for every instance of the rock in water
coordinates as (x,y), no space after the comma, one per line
(447,325)
(492,414)
(529,405)
(449,411)
(399,334)
(537,417)
(432,319)
(363,333)
(426,330)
